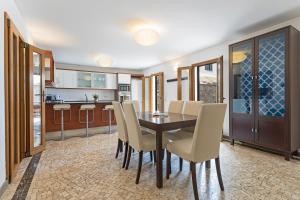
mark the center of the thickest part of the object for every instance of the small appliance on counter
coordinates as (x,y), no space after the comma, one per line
(54,98)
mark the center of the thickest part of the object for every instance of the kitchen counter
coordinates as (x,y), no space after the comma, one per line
(71,117)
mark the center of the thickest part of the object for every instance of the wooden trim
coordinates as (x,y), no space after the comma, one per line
(80,88)
(143,94)
(6,93)
(150,94)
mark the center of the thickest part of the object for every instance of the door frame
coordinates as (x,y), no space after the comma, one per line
(220,88)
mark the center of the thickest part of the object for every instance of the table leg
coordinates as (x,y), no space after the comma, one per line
(159,173)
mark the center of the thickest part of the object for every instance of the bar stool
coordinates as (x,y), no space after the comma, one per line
(109,108)
(61,108)
(87,108)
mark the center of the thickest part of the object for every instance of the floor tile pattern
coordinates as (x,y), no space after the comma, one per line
(26,180)
(85,168)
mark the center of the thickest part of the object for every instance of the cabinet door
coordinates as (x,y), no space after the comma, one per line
(111,81)
(70,79)
(98,80)
(84,79)
(271,92)
(59,78)
(242,91)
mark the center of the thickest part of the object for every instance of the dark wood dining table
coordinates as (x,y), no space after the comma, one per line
(161,123)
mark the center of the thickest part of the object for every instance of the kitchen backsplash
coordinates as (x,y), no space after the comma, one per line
(79,94)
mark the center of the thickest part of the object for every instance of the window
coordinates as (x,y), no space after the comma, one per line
(208,67)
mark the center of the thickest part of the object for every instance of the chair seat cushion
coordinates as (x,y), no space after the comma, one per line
(181,148)
(149,142)
(178,135)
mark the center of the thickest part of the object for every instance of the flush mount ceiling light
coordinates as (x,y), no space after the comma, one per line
(146,37)
(238,57)
(104,61)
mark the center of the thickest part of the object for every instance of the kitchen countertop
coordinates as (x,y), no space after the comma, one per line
(80,102)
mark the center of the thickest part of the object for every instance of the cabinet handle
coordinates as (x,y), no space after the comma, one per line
(252,130)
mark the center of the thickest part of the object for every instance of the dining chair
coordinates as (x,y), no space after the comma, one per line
(205,143)
(136,105)
(122,130)
(175,106)
(191,108)
(138,141)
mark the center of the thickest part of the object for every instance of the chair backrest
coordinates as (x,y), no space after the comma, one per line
(192,107)
(133,126)
(208,132)
(175,106)
(120,118)
(136,105)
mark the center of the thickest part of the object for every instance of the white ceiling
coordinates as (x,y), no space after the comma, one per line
(79,30)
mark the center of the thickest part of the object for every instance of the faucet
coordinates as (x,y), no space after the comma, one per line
(86,98)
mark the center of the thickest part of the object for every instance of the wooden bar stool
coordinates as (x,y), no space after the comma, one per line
(61,108)
(87,108)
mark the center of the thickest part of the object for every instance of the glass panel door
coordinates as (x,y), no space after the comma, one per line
(242,62)
(242,124)
(37,79)
(37,102)
(271,75)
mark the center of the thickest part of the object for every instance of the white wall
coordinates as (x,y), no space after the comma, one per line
(10,7)
(169,68)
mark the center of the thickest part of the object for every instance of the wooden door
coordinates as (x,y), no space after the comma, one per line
(14,133)
(185,81)
(271,93)
(242,107)
(36,99)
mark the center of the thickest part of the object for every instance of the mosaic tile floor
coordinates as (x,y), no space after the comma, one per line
(85,168)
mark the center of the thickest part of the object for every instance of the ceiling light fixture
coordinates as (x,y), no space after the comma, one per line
(146,37)
(104,61)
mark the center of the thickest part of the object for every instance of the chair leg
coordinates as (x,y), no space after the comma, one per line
(118,148)
(180,164)
(125,154)
(154,156)
(128,157)
(139,167)
(121,147)
(194,179)
(151,156)
(168,167)
(217,161)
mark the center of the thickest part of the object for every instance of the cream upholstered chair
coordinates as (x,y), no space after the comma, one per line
(205,143)
(136,105)
(138,141)
(122,130)
(191,108)
(175,106)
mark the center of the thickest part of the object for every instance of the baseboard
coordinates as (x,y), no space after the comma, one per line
(3,187)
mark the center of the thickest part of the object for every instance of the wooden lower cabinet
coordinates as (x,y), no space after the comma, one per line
(71,118)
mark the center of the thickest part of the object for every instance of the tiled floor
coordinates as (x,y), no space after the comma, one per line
(85,168)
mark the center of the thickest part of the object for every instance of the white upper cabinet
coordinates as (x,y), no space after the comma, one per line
(82,79)
(111,81)
(124,78)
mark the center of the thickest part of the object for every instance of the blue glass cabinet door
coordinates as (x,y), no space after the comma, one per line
(271,89)
(242,90)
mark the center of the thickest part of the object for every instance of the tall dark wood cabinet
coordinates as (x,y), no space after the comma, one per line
(265,91)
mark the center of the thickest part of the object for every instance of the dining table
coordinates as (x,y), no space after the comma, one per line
(160,123)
